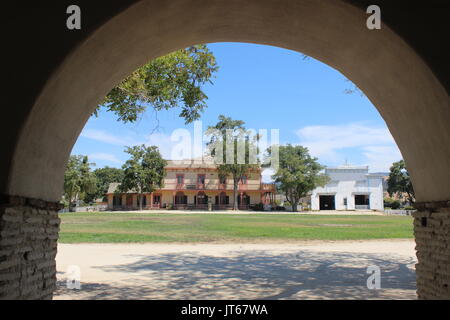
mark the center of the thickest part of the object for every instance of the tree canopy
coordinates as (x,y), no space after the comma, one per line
(229,138)
(174,80)
(78,179)
(399,181)
(298,173)
(104,177)
(144,171)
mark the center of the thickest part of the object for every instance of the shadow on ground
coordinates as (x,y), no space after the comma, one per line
(255,275)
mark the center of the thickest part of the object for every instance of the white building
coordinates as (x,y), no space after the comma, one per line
(350,188)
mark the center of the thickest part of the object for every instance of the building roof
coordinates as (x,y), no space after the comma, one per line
(346,166)
(112,188)
(191,163)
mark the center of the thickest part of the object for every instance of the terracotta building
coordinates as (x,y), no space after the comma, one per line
(194,184)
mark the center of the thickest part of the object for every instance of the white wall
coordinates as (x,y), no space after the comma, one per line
(348,182)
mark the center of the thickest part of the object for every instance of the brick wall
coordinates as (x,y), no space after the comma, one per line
(432,233)
(28,243)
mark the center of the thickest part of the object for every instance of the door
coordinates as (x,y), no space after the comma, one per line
(327,202)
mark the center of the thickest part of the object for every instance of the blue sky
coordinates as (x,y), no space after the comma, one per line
(268,88)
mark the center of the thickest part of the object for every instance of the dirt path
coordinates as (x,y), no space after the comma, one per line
(304,270)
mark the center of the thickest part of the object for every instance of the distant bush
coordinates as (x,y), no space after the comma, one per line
(391,203)
(409,208)
(280,208)
(258,207)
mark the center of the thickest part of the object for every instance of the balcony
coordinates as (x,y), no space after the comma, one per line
(201,186)
(242,187)
(179,186)
(270,187)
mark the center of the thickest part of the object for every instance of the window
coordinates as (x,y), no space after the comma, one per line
(117,201)
(201,179)
(180,179)
(144,200)
(223,180)
(180,198)
(243,180)
(223,198)
(202,198)
(361,200)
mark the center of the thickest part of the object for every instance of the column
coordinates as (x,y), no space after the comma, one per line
(29,232)
(432,235)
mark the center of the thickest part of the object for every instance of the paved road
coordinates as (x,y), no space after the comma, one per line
(307,270)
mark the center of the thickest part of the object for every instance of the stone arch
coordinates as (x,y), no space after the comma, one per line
(405,91)
(400,85)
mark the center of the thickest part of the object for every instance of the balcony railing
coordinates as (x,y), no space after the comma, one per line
(242,187)
(268,187)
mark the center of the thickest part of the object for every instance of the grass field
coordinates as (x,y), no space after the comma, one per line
(118,227)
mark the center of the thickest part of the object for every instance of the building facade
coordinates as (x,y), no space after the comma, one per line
(350,188)
(195,184)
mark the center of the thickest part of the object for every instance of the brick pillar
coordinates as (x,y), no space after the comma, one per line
(28,243)
(432,233)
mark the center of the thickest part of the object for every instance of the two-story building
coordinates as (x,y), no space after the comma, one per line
(194,184)
(350,188)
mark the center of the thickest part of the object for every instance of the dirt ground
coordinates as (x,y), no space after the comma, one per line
(302,270)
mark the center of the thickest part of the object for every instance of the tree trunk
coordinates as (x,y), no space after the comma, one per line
(70,202)
(294,207)
(235,204)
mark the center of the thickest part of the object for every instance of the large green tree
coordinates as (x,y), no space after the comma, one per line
(104,176)
(174,80)
(230,137)
(399,181)
(79,180)
(298,173)
(144,171)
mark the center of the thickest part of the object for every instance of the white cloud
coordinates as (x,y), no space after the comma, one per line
(380,158)
(106,137)
(163,142)
(105,157)
(266,175)
(375,144)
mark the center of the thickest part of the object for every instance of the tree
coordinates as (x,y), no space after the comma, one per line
(229,133)
(78,179)
(298,173)
(167,82)
(144,171)
(399,181)
(104,176)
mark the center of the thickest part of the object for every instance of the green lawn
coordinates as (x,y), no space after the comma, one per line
(153,227)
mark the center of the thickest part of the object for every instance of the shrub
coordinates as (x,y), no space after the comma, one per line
(258,207)
(391,203)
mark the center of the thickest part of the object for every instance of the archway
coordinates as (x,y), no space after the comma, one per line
(406,93)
